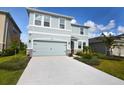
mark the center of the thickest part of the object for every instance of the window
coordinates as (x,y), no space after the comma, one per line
(62,23)
(79,44)
(38,19)
(47,21)
(81,31)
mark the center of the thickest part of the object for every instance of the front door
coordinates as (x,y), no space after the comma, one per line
(72,47)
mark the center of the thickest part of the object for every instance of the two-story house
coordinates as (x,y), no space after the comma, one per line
(54,34)
(9,31)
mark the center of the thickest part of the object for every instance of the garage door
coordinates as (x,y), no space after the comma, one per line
(48,48)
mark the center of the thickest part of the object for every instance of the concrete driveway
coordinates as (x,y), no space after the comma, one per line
(63,70)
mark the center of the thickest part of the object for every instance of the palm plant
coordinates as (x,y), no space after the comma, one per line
(108,41)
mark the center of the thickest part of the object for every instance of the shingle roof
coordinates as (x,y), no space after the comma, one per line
(49,13)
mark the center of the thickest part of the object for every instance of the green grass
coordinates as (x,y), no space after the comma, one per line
(113,67)
(9,77)
(11,68)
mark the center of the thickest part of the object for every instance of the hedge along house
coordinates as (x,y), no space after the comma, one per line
(53,34)
(9,31)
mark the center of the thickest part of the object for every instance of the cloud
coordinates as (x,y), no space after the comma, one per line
(73,21)
(100,27)
(91,24)
(107,27)
(120,29)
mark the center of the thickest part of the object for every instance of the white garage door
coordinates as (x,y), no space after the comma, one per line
(48,48)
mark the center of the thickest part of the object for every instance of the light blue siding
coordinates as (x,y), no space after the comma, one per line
(48,35)
(49,30)
(48,48)
(76,30)
(68,24)
(54,22)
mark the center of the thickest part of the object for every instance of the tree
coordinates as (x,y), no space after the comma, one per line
(15,46)
(22,46)
(108,41)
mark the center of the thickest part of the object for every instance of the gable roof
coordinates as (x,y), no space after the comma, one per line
(99,39)
(8,14)
(79,25)
(48,13)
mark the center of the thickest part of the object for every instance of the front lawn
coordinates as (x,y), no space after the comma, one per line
(113,67)
(11,68)
(109,64)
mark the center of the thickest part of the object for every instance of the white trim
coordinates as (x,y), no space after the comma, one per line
(42,23)
(40,20)
(49,34)
(58,23)
(64,23)
(33,18)
(50,21)
(49,27)
(48,39)
(49,13)
(79,35)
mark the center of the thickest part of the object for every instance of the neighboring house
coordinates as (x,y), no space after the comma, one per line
(53,34)
(98,45)
(9,31)
(118,46)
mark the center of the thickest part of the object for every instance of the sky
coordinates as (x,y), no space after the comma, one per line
(100,19)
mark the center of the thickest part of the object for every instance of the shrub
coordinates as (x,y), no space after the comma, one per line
(79,53)
(100,55)
(22,46)
(0,53)
(87,56)
(9,52)
(14,64)
(93,61)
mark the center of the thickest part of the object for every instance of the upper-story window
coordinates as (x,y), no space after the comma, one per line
(47,21)
(38,19)
(81,31)
(62,23)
